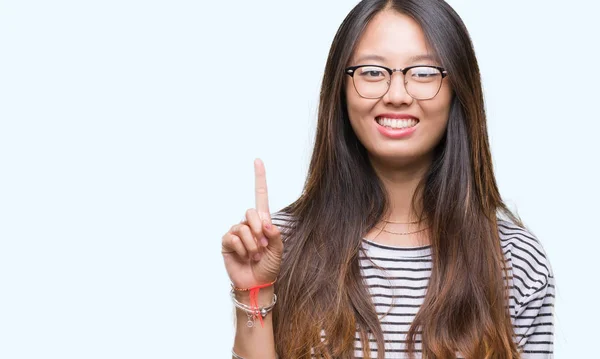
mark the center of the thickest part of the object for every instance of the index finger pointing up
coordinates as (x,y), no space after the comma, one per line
(260,189)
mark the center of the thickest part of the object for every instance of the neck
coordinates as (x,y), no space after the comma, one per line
(400,181)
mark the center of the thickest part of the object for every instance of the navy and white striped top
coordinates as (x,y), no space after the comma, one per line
(397,278)
(402,273)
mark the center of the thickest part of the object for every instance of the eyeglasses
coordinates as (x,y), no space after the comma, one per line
(422,82)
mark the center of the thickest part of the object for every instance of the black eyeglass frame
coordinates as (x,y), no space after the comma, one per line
(352,70)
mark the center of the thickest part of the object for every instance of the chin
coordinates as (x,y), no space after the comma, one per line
(398,155)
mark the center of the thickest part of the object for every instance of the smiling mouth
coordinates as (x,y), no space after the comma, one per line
(396,123)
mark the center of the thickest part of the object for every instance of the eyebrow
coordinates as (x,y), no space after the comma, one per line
(425,57)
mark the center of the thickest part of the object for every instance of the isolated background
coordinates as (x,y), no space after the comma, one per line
(127,135)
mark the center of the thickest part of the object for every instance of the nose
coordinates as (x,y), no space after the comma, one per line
(397,94)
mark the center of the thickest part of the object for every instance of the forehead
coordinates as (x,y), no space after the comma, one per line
(395,37)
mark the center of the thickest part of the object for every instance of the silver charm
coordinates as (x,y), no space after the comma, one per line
(250,322)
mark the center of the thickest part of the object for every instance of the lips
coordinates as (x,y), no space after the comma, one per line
(396,120)
(396,125)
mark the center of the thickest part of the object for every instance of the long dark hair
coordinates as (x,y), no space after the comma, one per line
(320,285)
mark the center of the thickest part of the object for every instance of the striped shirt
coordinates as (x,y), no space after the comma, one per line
(397,279)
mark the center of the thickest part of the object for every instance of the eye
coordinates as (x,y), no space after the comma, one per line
(424,74)
(372,73)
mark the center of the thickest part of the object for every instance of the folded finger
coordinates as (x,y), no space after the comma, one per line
(244,233)
(233,243)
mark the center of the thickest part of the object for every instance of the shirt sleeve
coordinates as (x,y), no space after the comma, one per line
(534,321)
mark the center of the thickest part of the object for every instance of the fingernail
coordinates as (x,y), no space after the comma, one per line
(267,224)
(257,257)
(264,242)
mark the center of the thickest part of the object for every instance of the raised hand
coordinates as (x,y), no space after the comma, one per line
(252,248)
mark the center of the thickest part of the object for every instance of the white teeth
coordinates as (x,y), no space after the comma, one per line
(394,123)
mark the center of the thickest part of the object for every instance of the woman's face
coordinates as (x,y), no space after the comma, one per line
(395,38)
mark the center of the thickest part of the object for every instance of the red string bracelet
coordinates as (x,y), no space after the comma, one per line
(254,298)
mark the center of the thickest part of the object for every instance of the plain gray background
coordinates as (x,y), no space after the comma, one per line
(128,130)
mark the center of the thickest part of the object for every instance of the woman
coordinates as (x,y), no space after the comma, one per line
(397,246)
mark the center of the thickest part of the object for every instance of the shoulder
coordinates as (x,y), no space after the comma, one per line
(524,248)
(528,263)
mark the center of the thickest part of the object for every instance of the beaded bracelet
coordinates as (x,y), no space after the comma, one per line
(247,289)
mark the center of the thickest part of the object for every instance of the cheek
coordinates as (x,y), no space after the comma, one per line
(358,107)
(351,99)
(445,97)
(439,109)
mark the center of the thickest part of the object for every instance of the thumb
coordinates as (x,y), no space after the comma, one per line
(273,235)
